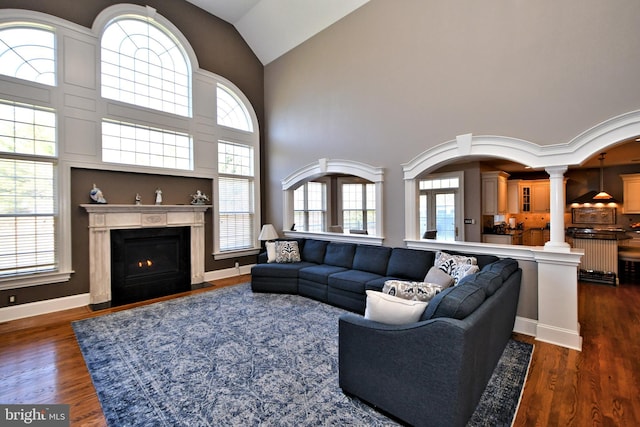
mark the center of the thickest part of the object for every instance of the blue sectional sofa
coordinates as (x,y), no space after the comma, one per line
(339,273)
(426,373)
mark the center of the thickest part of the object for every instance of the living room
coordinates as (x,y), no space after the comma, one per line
(381,87)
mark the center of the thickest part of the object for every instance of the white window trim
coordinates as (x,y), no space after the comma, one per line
(325,167)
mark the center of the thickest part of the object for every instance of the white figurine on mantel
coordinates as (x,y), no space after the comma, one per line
(96,195)
(199,198)
(158,196)
(138,199)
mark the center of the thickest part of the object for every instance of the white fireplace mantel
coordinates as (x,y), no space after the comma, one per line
(105,217)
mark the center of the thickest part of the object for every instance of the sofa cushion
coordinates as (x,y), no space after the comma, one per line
(319,273)
(456,302)
(373,259)
(392,310)
(409,264)
(488,280)
(279,270)
(340,254)
(414,291)
(314,250)
(439,277)
(505,267)
(351,280)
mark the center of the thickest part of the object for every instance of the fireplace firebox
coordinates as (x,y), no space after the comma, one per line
(149,262)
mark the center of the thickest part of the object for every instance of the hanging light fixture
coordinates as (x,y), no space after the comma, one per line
(603,195)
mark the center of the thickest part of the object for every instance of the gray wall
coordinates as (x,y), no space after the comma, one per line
(394,78)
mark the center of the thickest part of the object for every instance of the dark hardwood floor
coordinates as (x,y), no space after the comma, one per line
(40,362)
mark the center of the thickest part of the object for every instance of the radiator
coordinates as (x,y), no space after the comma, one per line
(600,261)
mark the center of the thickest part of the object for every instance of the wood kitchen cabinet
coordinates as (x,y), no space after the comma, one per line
(631,193)
(535,237)
(494,193)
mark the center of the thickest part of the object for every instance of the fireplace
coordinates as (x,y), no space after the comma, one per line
(148,263)
(105,218)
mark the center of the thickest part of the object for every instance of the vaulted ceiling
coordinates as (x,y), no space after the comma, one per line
(273,27)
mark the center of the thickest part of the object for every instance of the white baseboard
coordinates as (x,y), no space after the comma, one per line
(21,311)
(227,272)
(15,312)
(559,336)
(526,326)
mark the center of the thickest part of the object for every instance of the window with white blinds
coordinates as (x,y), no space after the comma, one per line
(310,206)
(359,206)
(235,196)
(28,210)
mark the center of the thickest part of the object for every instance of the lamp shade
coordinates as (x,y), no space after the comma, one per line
(268,232)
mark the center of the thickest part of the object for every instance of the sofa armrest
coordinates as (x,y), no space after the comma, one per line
(418,372)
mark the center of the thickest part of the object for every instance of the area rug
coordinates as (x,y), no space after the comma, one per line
(232,357)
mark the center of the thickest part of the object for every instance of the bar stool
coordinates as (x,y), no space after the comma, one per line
(629,256)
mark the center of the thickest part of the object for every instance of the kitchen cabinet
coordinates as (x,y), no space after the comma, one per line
(631,193)
(494,193)
(535,237)
(513,196)
(534,196)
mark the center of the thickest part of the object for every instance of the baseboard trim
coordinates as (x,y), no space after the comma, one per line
(37,308)
(558,336)
(526,326)
(227,272)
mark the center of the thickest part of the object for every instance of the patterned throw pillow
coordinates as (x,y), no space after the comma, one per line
(412,291)
(287,251)
(456,266)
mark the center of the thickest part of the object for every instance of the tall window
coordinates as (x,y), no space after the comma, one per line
(28,210)
(358,206)
(236,196)
(310,207)
(28,53)
(144,66)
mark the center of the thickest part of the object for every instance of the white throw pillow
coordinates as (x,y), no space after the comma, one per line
(392,310)
(271,251)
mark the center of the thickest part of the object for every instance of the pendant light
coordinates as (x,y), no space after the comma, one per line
(603,195)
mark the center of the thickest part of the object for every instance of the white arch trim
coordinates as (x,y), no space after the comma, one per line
(574,152)
(328,166)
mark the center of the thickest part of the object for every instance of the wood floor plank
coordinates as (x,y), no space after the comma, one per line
(40,362)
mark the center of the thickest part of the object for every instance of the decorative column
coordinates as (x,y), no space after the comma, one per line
(557,205)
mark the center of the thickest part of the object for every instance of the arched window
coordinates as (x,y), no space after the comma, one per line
(143,65)
(28,53)
(231,110)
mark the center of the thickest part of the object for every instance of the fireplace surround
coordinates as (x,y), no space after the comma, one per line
(105,217)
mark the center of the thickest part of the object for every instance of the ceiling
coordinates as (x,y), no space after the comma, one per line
(273,27)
